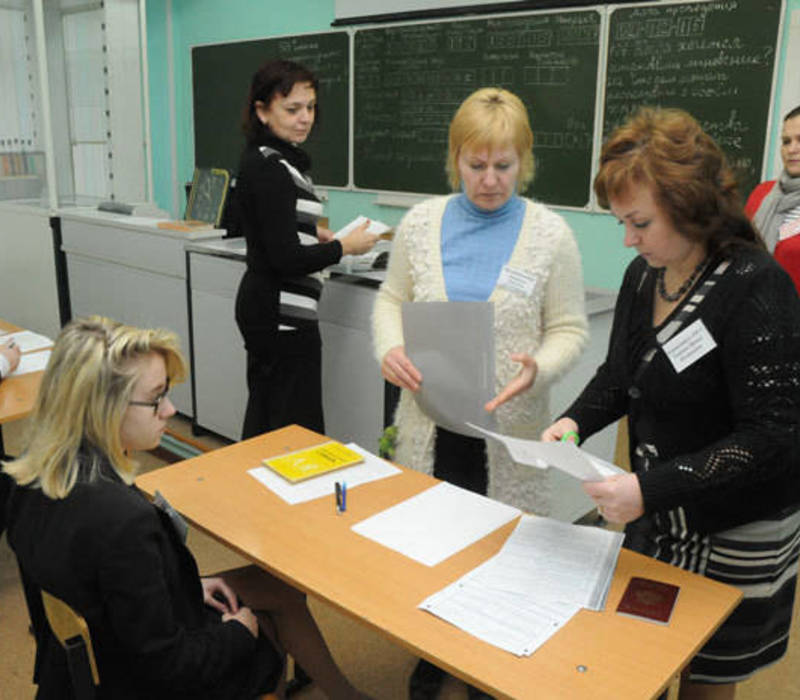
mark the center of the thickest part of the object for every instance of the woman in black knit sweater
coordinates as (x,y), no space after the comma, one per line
(704,359)
(277,209)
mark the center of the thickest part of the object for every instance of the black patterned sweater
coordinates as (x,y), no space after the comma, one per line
(725,429)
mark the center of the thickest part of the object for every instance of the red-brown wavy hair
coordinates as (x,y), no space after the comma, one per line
(689,175)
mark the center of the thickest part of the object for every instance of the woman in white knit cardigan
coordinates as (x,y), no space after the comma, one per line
(486,242)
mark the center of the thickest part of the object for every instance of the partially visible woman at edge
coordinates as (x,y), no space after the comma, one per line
(83,532)
(485,243)
(714,416)
(277,209)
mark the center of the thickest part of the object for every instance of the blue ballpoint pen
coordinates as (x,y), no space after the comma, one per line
(344,496)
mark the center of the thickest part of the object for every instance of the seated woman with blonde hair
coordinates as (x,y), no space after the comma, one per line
(84,533)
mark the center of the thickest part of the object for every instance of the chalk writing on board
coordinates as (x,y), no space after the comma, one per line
(409,81)
(714,59)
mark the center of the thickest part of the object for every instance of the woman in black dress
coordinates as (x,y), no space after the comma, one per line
(704,359)
(277,209)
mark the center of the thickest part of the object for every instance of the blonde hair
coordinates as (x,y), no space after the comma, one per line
(82,400)
(491,118)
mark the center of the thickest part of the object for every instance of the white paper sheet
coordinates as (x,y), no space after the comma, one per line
(371,469)
(31,362)
(565,456)
(510,622)
(28,341)
(437,523)
(540,578)
(376,227)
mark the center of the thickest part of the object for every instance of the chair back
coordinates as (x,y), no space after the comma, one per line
(72,632)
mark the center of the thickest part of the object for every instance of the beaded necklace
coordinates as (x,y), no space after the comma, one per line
(690,280)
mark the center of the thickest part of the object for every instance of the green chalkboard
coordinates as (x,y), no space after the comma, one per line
(221,76)
(713,59)
(410,79)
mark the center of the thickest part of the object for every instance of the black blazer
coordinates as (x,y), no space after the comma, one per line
(118,560)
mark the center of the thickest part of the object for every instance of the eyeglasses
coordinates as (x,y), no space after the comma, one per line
(156,403)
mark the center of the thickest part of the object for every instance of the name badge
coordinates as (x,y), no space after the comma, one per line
(692,343)
(517,281)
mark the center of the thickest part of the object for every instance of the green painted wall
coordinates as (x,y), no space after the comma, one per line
(211,21)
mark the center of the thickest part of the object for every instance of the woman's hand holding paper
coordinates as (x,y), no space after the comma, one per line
(618,498)
(399,370)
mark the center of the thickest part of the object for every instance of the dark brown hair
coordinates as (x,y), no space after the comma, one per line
(668,151)
(278,76)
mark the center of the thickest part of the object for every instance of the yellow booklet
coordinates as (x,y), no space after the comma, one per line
(313,461)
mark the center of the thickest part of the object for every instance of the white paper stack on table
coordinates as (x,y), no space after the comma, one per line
(358,263)
(546,571)
(34,358)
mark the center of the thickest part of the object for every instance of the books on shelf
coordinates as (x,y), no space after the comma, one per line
(313,461)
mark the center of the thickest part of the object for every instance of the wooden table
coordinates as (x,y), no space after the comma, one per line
(17,394)
(596,655)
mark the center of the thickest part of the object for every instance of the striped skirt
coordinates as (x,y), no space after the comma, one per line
(758,558)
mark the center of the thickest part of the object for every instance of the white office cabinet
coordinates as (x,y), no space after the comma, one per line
(133,273)
(353,388)
(28,290)
(220,360)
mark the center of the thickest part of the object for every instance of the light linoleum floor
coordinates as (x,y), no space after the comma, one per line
(376,665)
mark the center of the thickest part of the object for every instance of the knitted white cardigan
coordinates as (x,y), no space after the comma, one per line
(550,325)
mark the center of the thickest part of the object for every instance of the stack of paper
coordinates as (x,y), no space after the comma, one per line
(544,574)
(358,263)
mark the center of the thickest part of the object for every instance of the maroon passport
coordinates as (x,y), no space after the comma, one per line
(648,599)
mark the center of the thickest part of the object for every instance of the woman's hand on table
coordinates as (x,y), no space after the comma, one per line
(12,354)
(399,370)
(358,241)
(618,498)
(522,382)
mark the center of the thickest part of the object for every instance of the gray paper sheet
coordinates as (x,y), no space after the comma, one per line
(452,345)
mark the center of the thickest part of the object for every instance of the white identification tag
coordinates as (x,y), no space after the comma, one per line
(692,343)
(517,281)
